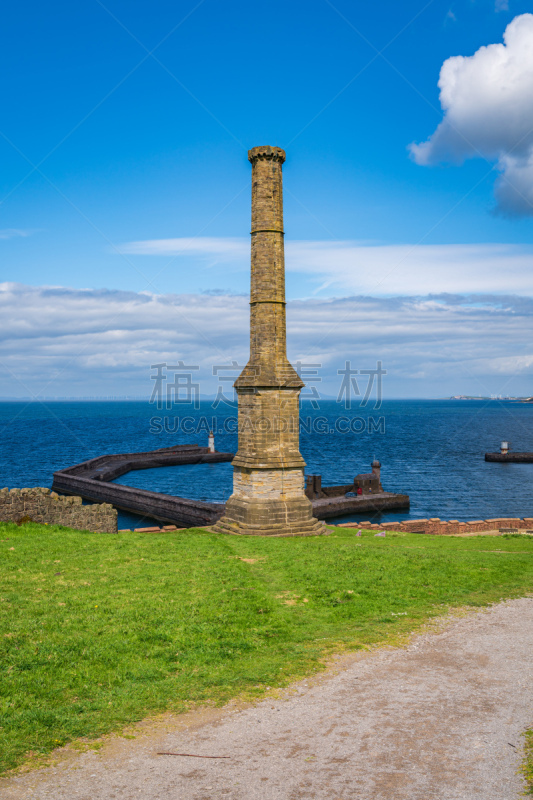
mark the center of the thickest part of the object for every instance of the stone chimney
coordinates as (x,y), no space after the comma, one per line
(268,471)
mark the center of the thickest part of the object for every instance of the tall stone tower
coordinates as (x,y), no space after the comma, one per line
(268,471)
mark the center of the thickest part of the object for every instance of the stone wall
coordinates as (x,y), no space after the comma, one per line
(41,505)
(438,527)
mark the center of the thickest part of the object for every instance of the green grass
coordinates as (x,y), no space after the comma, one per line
(98,631)
(527,766)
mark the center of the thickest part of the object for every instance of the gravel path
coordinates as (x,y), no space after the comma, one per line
(440,719)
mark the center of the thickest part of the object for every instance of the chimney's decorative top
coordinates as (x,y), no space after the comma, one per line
(265,152)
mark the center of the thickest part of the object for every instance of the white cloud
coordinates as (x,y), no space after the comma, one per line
(204,245)
(66,342)
(420,270)
(487,100)
(13,233)
(514,187)
(333,268)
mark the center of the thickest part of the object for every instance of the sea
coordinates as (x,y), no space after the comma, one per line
(432,450)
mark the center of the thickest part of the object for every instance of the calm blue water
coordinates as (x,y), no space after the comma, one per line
(430,449)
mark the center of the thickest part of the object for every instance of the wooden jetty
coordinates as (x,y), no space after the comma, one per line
(92,480)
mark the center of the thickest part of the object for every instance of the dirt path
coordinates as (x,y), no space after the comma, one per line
(434,721)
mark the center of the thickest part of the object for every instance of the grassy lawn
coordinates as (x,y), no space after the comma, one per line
(98,631)
(527,767)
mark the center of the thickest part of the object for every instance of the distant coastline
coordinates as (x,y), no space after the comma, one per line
(499,399)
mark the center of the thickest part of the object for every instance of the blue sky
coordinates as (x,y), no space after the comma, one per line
(129,122)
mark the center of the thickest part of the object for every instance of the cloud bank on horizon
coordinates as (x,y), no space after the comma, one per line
(59,342)
(488,113)
(333,268)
